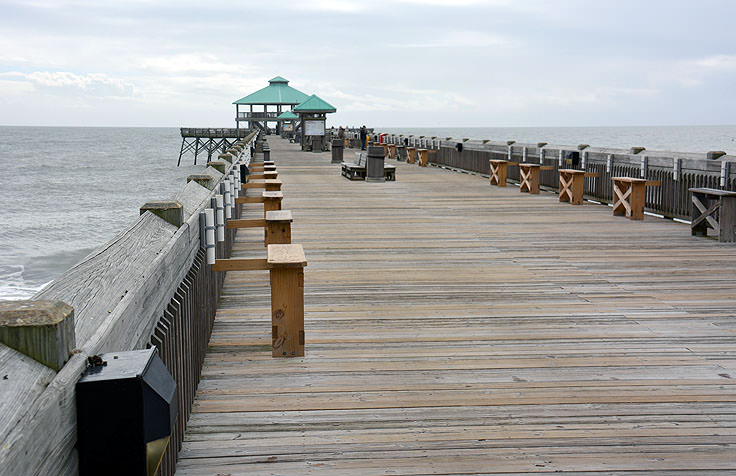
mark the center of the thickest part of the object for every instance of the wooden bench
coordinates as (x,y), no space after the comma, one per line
(270,200)
(715,209)
(269,185)
(628,196)
(285,263)
(572,185)
(423,157)
(356,170)
(529,175)
(411,155)
(499,171)
(277,225)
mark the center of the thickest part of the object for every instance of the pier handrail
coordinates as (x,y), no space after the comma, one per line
(677,171)
(120,292)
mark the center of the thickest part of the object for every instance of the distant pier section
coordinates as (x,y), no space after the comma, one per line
(207,140)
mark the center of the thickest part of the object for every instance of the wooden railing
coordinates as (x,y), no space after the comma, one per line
(150,285)
(208,133)
(677,171)
(258,115)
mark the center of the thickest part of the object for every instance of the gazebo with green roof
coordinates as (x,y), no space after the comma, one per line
(288,120)
(276,96)
(312,115)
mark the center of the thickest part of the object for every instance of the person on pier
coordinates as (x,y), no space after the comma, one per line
(363,136)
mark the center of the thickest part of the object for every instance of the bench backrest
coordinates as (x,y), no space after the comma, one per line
(360,159)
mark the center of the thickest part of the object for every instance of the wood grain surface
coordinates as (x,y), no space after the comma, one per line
(457,328)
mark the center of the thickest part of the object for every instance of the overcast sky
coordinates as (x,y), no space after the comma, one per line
(382,63)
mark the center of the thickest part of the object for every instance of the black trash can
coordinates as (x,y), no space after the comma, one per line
(337,149)
(374,164)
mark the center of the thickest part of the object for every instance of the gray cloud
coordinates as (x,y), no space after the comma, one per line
(407,62)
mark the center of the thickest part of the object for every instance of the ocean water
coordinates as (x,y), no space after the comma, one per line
(67,191)
(670,138)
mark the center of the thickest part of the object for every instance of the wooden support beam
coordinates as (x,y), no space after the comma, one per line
(270,185)
(287,264)
(278,227)
(246,223)
(261,168)
(271,201)
(240,264)
(263,175)
(242,200)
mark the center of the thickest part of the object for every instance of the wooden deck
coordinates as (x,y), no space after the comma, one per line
(458,328)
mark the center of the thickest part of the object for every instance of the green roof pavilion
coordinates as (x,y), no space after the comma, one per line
(288,116)
(277,92)
(278,95)
(315,104)
(312,115)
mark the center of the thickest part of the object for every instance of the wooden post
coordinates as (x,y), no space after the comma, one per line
(287,263)
(271,201)
(278,227)
(220,166)
(42,330)
(204,180)
(638,190)
(171,211)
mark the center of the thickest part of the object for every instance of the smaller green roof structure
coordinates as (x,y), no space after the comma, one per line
(288,116)
(277,92)
(315,104)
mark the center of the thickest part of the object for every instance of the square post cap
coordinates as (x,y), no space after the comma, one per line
(170,210)
(42,330)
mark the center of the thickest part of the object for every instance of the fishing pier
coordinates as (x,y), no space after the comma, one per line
(450,325)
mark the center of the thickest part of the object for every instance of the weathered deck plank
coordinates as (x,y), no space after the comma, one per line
(457,328)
